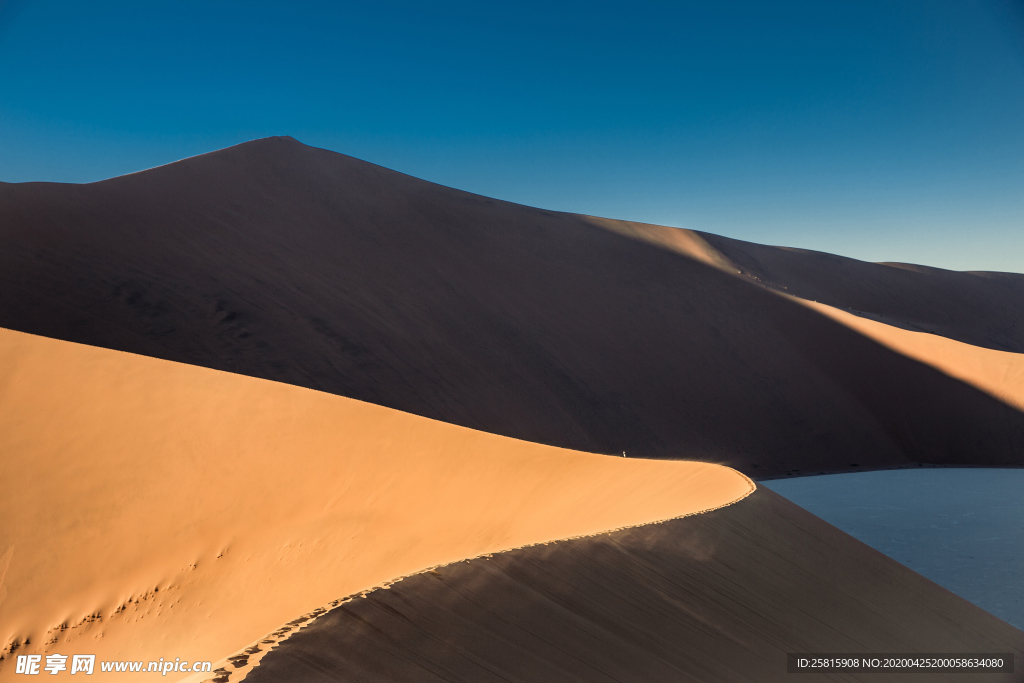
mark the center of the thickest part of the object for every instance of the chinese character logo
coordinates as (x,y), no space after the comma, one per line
(83,664)
(56,663)
(28,664)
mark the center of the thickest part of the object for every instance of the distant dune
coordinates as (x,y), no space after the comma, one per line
(979,308)
(719,597)
(998,373)
(285,262)
(152,509)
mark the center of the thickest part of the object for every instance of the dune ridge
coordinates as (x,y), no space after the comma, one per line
(230,503)
(978,308)
(998,373)
(236,666)
(982,364)
(710,598)
(299,265)
(155,509)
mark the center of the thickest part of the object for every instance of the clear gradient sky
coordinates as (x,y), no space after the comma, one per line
(883,130)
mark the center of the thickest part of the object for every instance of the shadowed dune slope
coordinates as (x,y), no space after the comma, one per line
(984,309)
(289,263)
(152,509)
(714,598)
(980,308)
(998,373)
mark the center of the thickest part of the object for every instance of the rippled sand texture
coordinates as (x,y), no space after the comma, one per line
(154,509)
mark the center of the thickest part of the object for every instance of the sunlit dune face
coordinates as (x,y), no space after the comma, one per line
(998,373)
(153,509)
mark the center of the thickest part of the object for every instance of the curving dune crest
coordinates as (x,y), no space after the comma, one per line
(978,308)
(155,509)
(998,373)
(295,264)
(713,598)
(150,508)
(906,308)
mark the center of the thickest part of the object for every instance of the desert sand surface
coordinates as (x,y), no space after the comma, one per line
(998,373)
(979,308)
(299,265)
(713,598)
(154,509)
(241,387)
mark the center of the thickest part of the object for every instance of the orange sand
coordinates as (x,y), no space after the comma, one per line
(998,373)
(679,240)
(154,509)
(549,327)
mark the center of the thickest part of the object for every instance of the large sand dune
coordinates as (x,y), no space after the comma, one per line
(713,598)
(153,509)
(299,265)
(978,308)
(157,509)
(998,373)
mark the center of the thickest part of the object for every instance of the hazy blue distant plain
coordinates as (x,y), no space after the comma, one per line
(961,528)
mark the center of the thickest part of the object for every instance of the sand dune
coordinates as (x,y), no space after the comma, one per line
(714,598)
(162,509)
(299,265)
(978,308)
(998,373)
(153,509)
(991,320)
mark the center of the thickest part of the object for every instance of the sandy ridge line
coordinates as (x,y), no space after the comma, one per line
(135,452)
(248,658)
(1000,374)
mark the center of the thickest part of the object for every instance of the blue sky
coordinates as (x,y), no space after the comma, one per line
(880,130)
